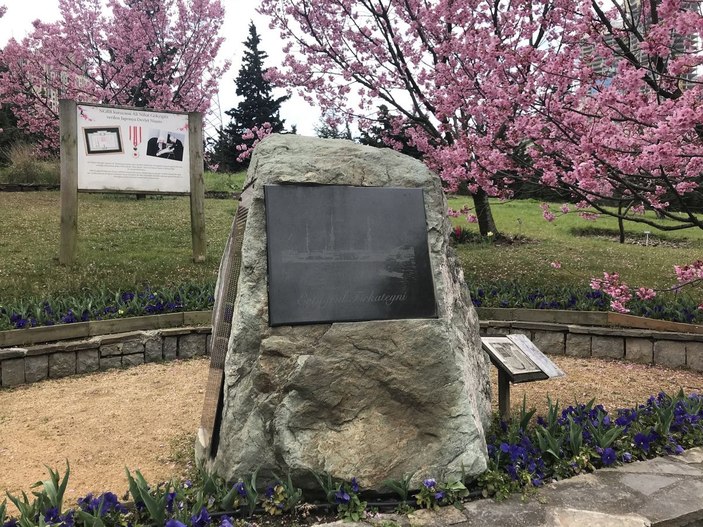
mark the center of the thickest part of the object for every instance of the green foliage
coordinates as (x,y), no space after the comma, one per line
(153,501)
(281,497)
(257,105)
(432,494)
(402,488)
(497,484)
(53,489)
(603,436)
(350,507)
(526,415)
(31,510)
(328,485)
(252,496)
(27,166)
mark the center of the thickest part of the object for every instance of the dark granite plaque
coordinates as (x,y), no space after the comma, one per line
(342,254)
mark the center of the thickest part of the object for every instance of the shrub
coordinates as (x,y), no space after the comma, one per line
(27,166)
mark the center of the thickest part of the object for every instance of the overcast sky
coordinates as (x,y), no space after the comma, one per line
(17,22)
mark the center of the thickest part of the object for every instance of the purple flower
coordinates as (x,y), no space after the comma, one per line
(627,457)
(341,497)
(642,441)
(241,489)
(354,485)
(269,492)
(226,522)
(608,457)
(431,483)
(439,496)
(201,519)
(174,523)
(536,482)
(10,523)
(170,497)
(52,515)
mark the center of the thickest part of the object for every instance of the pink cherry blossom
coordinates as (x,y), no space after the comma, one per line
(492,92)
(546,213)
(644,293)
(155,52)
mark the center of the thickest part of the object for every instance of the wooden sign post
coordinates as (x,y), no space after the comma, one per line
(133,151)
(517,360)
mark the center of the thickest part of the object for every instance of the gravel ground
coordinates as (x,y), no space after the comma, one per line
(145,417)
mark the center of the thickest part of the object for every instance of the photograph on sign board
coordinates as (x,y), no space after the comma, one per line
(103,140)
(165,145)
(514,361)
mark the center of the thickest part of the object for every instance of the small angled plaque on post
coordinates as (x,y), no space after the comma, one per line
(517,360)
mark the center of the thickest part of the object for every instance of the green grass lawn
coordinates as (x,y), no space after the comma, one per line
(224,182)
(122,243)
(582,257)
(125,243)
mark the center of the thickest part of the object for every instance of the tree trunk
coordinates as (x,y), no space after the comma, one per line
(621,223)
(486,223)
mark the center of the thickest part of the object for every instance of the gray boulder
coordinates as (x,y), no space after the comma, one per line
(371,400)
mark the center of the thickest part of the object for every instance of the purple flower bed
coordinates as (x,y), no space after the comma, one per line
(106,304)
(523,453)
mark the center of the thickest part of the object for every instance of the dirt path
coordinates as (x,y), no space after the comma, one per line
(146,417)
(100,423)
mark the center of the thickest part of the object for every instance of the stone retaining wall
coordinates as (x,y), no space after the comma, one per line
(27,364)
(674,350)
(21,365)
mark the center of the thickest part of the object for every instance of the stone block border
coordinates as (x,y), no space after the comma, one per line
(32,355)
(24,365)
(665,348)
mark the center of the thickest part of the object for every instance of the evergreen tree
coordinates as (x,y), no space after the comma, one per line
(380,135)
(325,130)
(258,106)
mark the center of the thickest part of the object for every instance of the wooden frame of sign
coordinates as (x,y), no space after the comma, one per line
(517,360)
(123,165)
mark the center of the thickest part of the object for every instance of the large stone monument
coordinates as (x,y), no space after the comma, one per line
(392,389)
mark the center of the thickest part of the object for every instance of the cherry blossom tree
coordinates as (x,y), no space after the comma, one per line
(156,53)
(625,125)
(602,102)
(449,72)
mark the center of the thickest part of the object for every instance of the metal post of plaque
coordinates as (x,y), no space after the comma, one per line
(517,360)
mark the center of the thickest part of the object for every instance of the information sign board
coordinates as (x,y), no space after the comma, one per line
(137,150)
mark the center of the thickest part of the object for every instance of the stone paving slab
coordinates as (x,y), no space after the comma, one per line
(661,492)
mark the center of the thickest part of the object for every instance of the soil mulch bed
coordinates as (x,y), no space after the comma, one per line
(145,417)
